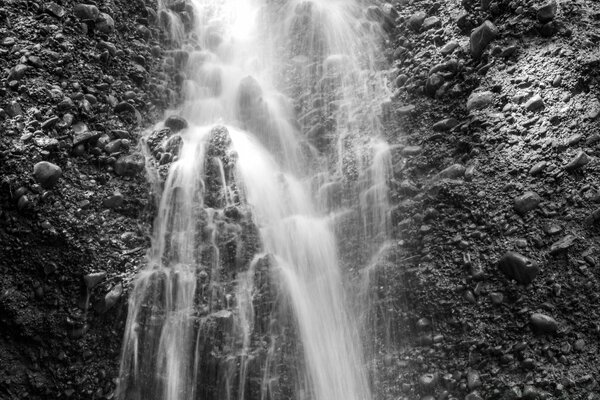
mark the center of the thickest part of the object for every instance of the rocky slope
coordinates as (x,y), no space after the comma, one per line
(78,83)
(495,187)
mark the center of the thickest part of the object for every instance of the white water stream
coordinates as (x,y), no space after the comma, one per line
(282,98)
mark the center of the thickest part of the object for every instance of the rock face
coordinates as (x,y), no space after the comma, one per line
(481,37)
(518,267)
(47,174)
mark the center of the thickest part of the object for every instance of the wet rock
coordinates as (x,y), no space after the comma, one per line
(518,267)
(47,174)
(473,396)
(543,324)
(405,110)
(445,125)
(14,109)
(428,382)
(479,100)
(562,245)
(110,299)
(130,165)
(449,47)
(433,83)
(114,201)
(93,279)
(454,171)
(547,12)
(176,123)
(536,103)
(526,202)
(86,12)
(580,160)
(411,151)
(482,37)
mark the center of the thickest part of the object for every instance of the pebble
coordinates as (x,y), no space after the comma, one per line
(473,380)
(93,279)
(114,201)
(445,125)
(405,110)
(105,23)
(518,267)
(47,174)
(454,171)
(543,324)
(580,160)
(536,103)
(129,165)
(562,245)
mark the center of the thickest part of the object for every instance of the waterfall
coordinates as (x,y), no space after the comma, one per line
(244,293)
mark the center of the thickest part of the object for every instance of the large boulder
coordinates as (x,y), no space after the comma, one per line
(481,37)
(47,174)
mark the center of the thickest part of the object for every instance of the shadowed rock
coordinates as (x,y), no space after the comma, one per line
(518,267)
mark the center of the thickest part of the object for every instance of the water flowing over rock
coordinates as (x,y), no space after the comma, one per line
(243,295)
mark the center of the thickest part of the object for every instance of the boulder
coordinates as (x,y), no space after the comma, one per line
(518,267)
(47,174)
(481,37)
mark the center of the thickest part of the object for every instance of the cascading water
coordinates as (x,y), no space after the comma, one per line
(243,295)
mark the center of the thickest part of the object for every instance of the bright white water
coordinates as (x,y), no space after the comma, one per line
(283,99)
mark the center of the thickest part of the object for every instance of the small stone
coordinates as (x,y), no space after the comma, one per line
(428,382)
(535,103)
(473,380)
(445,125)
(518,267)
(406,110)
(47,174)
(481,37)
(93,279)
(496,298)
(473,396)
(526,202)
(431,22)
(454,171)
(415,22)
(124,107)
(562,245)
(54,9)
(479,100)
(543,324)
(580,160)
(129,165)
(411,151)
(547,12)
(449,47)
(538,168)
